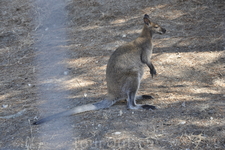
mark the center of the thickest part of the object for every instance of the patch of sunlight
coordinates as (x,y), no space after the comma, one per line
(5,96)
(189,59)
(200,90)
(167,42)
(77,83)
(219,82)
(90,27)
(174,14)
(118,21)
(80,61)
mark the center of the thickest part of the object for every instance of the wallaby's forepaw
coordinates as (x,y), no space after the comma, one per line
(148,107)
(153,72)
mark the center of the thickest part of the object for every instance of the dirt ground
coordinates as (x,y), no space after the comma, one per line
(53,56)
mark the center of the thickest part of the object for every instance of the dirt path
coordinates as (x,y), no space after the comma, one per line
(53,57)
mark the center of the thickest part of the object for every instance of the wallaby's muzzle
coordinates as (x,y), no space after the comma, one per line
(163,31)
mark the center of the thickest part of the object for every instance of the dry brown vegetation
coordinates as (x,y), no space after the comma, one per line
(53,56)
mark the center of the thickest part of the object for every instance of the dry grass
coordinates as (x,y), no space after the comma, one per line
(53,56)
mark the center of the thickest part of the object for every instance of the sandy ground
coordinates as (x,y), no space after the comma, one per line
(53,56)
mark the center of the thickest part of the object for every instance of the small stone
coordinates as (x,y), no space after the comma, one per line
(5,106)
(65,73)
(117,133)
(85,94)
(182,122)
(121,113)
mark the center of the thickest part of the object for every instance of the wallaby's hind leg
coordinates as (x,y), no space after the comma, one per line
(131,97)
(131,102)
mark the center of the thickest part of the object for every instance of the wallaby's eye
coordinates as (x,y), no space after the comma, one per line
(156,26)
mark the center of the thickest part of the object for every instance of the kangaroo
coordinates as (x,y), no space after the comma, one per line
(123,73)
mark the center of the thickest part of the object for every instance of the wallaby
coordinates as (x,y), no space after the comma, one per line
(124,72)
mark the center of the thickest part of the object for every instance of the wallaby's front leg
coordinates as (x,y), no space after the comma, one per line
(146,58)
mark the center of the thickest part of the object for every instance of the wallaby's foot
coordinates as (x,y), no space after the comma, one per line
(148,107)
(139,106)
(147,97)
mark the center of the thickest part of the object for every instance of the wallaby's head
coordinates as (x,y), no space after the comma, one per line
(153,27)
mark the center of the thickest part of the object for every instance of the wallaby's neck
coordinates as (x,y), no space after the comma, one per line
(145,39)
(145,33)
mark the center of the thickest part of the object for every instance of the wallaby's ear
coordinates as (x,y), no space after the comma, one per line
(147,19)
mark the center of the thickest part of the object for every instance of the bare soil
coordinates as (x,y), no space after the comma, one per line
(53,56)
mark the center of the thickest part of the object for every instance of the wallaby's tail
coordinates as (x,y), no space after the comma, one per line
(99,105)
